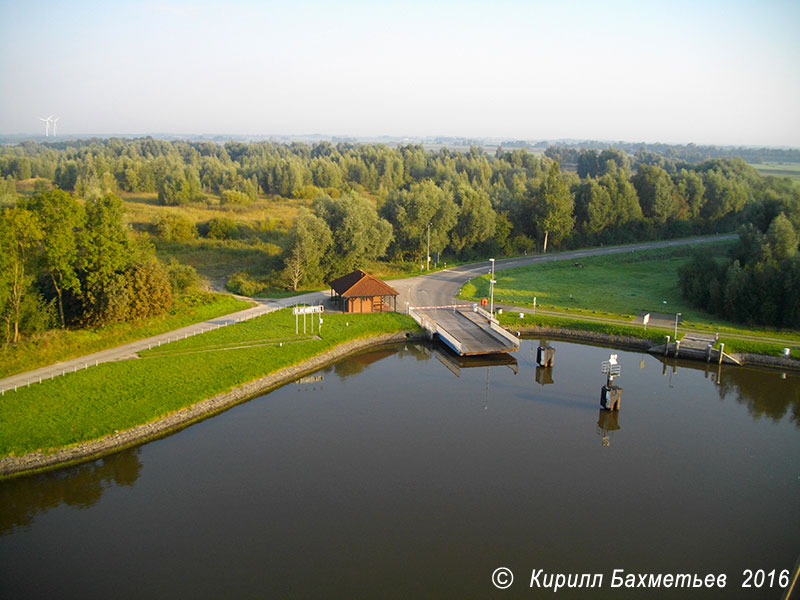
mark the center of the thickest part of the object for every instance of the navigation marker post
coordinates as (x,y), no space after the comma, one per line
(610,394)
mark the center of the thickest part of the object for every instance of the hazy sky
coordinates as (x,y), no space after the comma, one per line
(723,72)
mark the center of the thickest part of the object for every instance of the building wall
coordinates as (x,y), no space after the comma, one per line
(365,305)
(359,305)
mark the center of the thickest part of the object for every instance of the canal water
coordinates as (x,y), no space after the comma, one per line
(406,473)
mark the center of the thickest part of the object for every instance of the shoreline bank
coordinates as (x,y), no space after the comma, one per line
(40,461)
(634,343)
(36,462)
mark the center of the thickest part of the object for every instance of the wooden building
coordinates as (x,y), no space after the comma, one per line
(360,292)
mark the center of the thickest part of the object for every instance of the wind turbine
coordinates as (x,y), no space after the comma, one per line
(54,125)
(47,125)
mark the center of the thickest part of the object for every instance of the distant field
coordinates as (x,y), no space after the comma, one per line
(791,170)
(143,209)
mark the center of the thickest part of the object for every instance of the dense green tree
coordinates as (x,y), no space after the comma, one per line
(66,175)
(690,187)
(61,217)
(476,218)
(412,210)
(105,255)
(655,189)
(782,238)
(310,243)
(359,234)
(724,194)
(20,234)
(553,207)
(622,196)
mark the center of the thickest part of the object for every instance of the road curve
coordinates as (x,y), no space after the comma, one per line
(435,289)
(442,287)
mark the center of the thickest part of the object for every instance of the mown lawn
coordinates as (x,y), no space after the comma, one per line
(119,395)
(616,286)
(57,345)
(620,284)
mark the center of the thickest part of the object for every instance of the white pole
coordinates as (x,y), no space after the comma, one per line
(676,325)
(428,251)
(491,289)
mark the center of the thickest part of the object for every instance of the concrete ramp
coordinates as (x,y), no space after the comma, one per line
(466,331)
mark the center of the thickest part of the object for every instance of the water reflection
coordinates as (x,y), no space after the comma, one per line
(765,393)
(80,487)
(607,424)
(544,375)
(400,466)
(455,363)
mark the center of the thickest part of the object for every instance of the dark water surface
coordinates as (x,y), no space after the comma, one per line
(393,477)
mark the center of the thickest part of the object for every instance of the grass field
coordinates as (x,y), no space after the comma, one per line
(618,284)
(119,395)
(617,287)
(790,170)
(57,344)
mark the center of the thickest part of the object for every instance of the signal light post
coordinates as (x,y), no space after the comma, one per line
(491,288)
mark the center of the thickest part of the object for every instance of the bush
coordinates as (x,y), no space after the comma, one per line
(222,229)
(149,290)
(235,197)
(244,284)
(181,277)
(171,227)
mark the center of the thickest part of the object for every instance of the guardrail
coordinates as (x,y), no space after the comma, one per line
(485,314)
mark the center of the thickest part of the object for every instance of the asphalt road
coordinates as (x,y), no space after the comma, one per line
(436,289)
(441,288)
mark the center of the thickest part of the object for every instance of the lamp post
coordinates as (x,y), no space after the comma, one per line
(491,289)
(428,251)
(677,316)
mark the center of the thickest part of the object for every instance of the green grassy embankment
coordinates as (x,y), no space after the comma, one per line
(57,344)
(606,293)
(116,396)
(656,335)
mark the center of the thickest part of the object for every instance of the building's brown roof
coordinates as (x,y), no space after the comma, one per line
(360,284)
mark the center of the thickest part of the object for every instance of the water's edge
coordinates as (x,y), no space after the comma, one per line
(35,462)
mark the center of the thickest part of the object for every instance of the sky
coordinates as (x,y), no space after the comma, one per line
(707,72)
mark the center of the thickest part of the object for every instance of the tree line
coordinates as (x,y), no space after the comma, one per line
(371,201)
(759,284)
(65,262)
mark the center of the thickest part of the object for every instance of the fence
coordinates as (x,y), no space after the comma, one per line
(77,366)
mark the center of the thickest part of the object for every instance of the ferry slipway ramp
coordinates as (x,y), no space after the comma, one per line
(468,330)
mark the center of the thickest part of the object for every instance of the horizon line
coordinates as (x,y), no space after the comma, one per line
(492,140)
